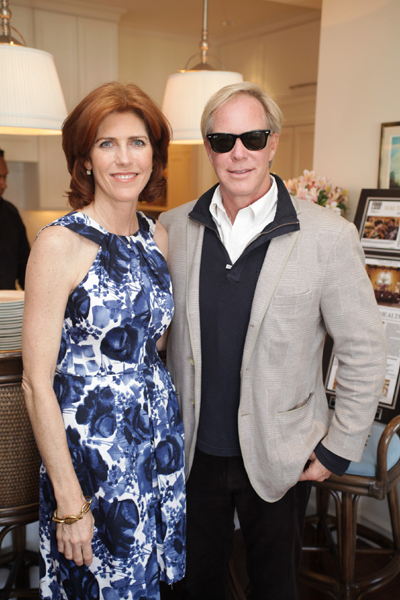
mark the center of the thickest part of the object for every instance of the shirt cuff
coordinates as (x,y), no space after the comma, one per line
(334,463)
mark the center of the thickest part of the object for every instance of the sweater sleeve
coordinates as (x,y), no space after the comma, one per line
(334,463)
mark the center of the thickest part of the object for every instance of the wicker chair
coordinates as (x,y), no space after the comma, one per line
(376,476)
(19,479)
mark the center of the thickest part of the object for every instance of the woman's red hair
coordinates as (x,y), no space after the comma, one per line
(79,133)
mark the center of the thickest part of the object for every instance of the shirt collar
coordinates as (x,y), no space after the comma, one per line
(286,218)
(259,209)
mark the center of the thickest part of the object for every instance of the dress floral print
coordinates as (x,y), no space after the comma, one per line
(122,423)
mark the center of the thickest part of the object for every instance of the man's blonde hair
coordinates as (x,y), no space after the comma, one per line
(272,111)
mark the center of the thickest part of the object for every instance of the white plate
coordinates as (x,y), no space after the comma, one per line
(10,346)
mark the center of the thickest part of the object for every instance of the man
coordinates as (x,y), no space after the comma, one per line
(259,278)
(14,245)
(391,230)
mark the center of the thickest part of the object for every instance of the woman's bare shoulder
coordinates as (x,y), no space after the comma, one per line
(55,238)
(61,255)
(60,243)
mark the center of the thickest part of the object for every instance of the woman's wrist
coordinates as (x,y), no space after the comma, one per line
(70,519)
(69,503)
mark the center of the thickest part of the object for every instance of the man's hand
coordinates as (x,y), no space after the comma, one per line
(315,470)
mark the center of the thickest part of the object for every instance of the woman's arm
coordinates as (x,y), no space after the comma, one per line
(161,239)
(56,265)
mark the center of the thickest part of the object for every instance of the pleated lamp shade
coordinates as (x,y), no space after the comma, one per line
(31,99)
(185,97)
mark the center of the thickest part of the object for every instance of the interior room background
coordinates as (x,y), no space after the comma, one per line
(334,73)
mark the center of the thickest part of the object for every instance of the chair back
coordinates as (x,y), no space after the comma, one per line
(19,456)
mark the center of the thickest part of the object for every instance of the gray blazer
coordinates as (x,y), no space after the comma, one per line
(312,281)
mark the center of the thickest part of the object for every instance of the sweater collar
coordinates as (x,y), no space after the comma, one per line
(286,214)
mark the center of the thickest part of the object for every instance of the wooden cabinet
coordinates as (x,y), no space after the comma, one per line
(189,175)
(295,151)
(296,142)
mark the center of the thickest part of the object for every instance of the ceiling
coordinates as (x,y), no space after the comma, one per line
(226,18)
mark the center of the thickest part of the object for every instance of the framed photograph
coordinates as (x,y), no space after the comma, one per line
(378,220)
(384,274)
(389,156)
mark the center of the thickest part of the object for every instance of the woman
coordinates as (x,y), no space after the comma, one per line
(102,405)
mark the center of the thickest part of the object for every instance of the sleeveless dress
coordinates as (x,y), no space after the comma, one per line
(122,424)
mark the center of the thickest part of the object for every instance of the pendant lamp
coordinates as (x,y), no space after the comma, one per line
(31,98)
(188,91)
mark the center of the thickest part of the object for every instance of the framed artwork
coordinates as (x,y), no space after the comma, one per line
(389,156)
(378,220)
(384,274)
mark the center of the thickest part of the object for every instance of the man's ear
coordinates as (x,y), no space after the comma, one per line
(273,145)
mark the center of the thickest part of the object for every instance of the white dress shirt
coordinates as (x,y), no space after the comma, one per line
(249,222)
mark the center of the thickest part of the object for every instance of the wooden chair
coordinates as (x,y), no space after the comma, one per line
(19,479)
(376,476)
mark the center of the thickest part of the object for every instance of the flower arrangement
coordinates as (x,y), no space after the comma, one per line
(319,190)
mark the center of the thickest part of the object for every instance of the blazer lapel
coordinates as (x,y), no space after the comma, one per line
(275,261)
(195,234)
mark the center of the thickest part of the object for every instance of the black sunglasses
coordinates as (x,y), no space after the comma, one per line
(252,140)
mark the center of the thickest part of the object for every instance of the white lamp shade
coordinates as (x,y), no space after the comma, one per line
(31,99)
(185,97)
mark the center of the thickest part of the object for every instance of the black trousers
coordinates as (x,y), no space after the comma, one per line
(272,532)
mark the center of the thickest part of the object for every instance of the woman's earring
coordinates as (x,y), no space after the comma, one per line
(88,172)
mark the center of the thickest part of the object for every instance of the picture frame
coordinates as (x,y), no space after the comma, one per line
(384,274)
(378,220)
(382,263)
(389,156)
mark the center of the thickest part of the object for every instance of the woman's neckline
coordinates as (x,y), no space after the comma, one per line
(104,230)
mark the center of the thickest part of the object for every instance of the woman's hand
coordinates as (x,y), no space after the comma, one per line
(75,541)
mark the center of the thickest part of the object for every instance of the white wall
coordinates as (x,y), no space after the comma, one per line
(358,89)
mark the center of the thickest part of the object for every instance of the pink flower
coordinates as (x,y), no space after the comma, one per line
(319,190)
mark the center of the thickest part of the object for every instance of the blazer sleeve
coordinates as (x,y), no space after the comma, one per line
(353,320)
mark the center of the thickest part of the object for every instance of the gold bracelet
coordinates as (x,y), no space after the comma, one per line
(72,519)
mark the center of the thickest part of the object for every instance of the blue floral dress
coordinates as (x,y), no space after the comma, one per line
(122,423)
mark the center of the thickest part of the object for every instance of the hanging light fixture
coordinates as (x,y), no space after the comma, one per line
(31,99)
(187,92)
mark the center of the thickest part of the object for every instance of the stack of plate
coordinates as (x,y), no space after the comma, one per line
(11,310)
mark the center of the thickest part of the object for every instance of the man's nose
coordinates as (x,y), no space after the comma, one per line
(238,150)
